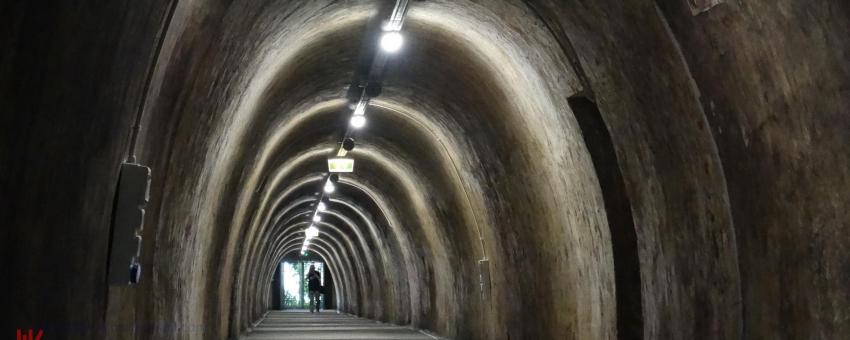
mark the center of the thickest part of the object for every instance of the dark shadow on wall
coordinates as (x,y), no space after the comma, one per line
(277,286)
(619,213)
(328,290)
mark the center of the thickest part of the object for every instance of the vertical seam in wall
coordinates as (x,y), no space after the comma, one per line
(698,95)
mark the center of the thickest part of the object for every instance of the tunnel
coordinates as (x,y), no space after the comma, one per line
(526,169)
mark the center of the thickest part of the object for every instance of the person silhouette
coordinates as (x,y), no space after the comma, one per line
(314,288)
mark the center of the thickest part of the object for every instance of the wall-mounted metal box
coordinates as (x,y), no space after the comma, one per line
(127,222)
(484,278)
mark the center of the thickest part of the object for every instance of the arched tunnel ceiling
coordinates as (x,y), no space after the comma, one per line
(478,208)
(468,145)
(460,93)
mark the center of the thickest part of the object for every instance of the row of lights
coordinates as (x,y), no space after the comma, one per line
(391,42)
(312,231)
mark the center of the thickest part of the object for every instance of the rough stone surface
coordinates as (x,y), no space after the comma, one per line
(706,201)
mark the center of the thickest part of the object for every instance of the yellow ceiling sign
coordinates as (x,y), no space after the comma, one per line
(341,165)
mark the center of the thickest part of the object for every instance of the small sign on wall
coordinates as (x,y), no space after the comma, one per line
(699,6)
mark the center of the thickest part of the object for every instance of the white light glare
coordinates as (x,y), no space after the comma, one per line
(311,232)
(358,121)
(391,41)
(329,187)
(322,206)
(317,218)
(360,109)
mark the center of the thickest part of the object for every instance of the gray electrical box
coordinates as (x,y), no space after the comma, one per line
(127,222)
(484,278)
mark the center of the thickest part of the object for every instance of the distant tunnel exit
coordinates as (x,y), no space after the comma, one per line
(289,286)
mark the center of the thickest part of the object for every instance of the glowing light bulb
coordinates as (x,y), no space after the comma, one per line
(322,206)
(329,187)
(311,232)
(358,121)
(317,218)
(391,41)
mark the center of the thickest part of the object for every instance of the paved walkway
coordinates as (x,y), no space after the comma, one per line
(301,324)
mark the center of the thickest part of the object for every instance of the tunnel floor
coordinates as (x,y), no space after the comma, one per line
(301,324)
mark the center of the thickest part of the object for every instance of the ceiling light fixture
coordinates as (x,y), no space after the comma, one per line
(311,232)
(358,121)
(392,41)
(329,187)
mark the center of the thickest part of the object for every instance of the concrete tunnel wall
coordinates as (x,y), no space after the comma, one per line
(729,131)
